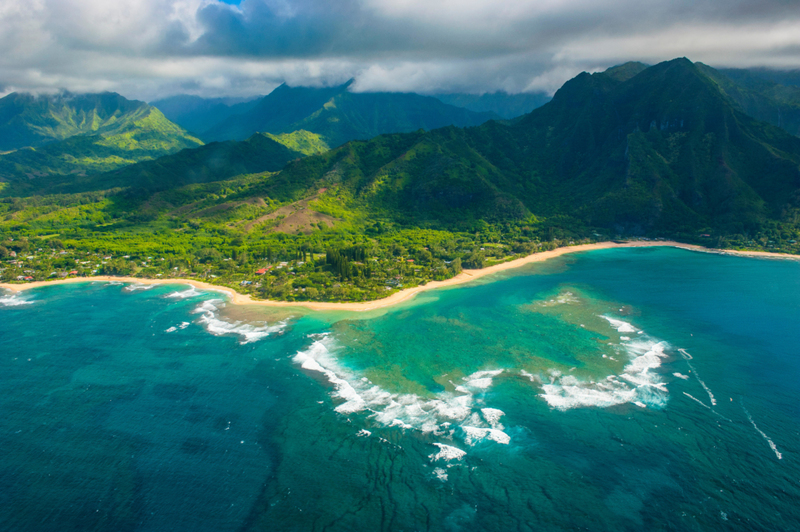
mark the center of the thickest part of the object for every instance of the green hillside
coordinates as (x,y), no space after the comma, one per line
(141,133)
(28,120)
(764,100)
(212,162)
(338,115)
(658,152)
(664,151)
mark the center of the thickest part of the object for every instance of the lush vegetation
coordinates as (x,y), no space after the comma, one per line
(85,135)
(658,152)
(28,120)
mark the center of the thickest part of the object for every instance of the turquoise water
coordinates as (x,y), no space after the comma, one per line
(628,389)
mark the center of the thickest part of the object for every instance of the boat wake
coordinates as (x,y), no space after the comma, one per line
(761,432)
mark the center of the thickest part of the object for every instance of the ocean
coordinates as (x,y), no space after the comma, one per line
(620,389)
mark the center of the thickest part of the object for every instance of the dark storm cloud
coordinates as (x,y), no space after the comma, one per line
(149,47)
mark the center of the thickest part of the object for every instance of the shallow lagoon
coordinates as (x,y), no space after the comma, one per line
(618,389)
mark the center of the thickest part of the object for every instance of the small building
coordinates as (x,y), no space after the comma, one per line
(262,271)
(74,272)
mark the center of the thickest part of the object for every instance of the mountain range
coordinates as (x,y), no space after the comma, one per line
(636,149)
(67,134)
(339,115)
(205,116)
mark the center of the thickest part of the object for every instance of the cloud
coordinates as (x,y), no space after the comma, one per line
(149,48)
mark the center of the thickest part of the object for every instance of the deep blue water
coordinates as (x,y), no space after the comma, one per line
(628,389)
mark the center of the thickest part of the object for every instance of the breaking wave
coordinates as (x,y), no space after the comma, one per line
(246,332)
(184,294)
(458,414)
(638,383)
(14,300)
(138,286)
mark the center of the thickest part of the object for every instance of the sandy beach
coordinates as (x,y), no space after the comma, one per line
(404,295)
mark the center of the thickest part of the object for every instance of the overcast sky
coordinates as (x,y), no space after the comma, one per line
(151,48)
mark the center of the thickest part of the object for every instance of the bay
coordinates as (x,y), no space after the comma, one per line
(622,389)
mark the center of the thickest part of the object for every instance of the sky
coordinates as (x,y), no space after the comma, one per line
(147,49)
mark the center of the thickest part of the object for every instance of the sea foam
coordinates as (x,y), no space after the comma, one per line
(14,300)
(246,332)
(637,384)
(439,416)
(138,286)
(184,294)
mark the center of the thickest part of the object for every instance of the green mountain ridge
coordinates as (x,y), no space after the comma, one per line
(764,100)
(133,132)
(28,121)
(661,151)
(215,161)
(664,150)
(339,115)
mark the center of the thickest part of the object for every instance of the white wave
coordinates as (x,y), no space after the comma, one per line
(680,376)
(447,452)
(181,326)
(768,440)
(475,434)
(14,300)
(440,474)
(479,380)
(438,416)
(637,383)
(619,325)
(492,417)
(246,332)
(138,286)
(185,294)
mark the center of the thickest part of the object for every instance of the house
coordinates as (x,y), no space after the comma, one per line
(262,271)
(13,254)
(29,278)
(74,272)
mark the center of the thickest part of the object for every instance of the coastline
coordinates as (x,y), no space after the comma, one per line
(403,295)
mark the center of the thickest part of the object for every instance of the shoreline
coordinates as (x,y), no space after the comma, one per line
(403,295)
